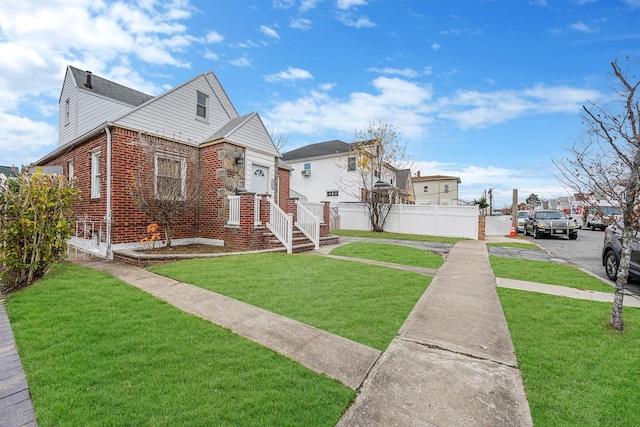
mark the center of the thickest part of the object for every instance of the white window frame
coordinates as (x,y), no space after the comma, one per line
(183,173)
(67,112)
(204,107)
(446,188)
(96,176)
(70,169)
(425,189)
(333,193)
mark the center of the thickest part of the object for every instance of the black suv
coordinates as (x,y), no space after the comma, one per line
(549,223)
(611,254)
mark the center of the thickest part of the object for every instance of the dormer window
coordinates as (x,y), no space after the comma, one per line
(202,106)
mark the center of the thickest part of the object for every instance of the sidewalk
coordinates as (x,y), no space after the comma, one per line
(452,362)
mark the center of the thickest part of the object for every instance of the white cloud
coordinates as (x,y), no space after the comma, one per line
(406,72)
(435,46)
(475,109)
(347,4)
(300,23)
(20,136)
(581,27)
(306,5)
(269,32)
(361,22)
(213,37)
(289,75)
(242,61)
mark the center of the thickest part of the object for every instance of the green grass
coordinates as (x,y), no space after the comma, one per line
(577,371)
(365,303)
(385,252)
(396,236)
(98,352)
(547,272)
(517,245)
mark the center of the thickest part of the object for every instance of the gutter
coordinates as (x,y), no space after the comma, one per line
(109,191)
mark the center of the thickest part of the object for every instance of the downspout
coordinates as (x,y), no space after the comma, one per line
(108,215)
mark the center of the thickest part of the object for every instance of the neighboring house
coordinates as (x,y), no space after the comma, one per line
(108,132)
(435,189)
(7,172)
(326,171)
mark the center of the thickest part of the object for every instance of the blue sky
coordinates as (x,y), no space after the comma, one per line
(490,91)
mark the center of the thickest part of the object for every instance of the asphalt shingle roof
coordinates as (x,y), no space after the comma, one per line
(317,150)
(109,89)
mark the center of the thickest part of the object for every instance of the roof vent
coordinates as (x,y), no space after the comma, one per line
(88,83)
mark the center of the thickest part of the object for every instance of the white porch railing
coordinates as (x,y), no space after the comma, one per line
(316,208)
(256,210)
(281,225)
(234,210)
(309,223)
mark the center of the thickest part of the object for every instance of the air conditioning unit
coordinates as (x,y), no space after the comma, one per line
(306,172)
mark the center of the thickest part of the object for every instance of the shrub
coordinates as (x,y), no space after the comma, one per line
(36,219)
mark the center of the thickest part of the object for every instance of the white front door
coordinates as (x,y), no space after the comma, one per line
(260,180)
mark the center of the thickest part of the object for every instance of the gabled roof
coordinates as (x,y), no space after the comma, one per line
(8,171)
(402,176)
(435,178)
(225,131)
(109,89)
(320,149)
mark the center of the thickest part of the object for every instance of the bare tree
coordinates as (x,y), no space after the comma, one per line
(279,139)
(605,165)
(168,184)
(375,155)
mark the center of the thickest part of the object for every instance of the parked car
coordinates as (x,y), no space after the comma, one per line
(611,254)
(541,223)
(521,216)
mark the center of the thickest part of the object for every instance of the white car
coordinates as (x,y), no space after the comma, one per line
(521,216)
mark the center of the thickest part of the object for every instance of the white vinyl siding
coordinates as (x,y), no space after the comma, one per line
(96,177)
(253,134)
(172,114)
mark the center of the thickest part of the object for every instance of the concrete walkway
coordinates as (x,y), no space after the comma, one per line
(16,408)
(452,362)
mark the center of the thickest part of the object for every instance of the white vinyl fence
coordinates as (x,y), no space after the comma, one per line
(432,220)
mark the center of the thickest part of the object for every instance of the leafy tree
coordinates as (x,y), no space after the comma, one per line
(605,164)
(533,199)
(375,155)
(481,203)
(36,219)
(167,185)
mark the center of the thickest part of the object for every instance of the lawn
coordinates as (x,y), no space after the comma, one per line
(365,303)
(577,371)
(396,254)
(547,272)
(98,352)
(395,236)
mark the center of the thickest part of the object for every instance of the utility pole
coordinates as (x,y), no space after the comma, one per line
(491,202)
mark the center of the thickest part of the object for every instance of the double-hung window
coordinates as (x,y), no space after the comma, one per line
(170,176)
(351,164)
(96,177)
(202,106)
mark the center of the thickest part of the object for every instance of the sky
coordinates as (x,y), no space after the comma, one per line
(490,91)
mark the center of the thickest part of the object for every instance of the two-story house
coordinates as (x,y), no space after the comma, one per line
(435,189)
(109,134)
(329,171)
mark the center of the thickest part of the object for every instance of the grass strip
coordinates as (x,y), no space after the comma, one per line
(98,352)
(396,236)
(577,371)
(517,245)
(547,272)
(396,254)
(365,303)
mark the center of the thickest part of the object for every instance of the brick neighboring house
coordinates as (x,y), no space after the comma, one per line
(108,131)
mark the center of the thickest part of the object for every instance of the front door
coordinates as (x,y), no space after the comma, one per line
(260,180)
